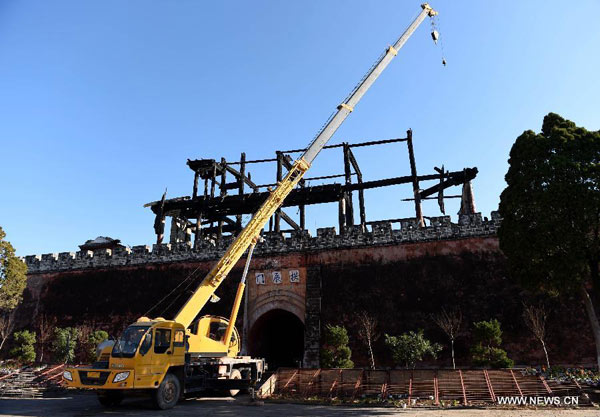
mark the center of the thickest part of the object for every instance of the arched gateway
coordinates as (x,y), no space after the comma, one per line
(276,315)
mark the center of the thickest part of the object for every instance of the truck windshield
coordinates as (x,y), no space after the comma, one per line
(129,341)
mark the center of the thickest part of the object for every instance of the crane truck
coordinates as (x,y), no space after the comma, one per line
(172,358)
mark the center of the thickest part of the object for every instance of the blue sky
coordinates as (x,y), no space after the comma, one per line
(102,102)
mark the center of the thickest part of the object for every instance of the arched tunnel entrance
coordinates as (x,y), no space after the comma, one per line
(277,336)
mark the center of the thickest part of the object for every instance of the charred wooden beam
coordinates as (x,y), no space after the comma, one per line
(289,221)
(349,221)
(452,179)
(326,193)
(354,145)
(287,162)
(361,193)
(238,175)
(325,177)
(205,167)
(415,179)
(329,193)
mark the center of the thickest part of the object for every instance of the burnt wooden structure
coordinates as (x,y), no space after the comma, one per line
(223,191)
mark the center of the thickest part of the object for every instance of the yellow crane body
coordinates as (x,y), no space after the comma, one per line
(168,358)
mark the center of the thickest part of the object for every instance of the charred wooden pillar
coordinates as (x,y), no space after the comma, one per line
(159,228)
(361,197)
(159,221)
(223,191)
(415,179)
(302,208)
(213,181)
(342,213)
(279,178)
(195,192)
(467,200)
(349,212)
(238,218)
(198,236)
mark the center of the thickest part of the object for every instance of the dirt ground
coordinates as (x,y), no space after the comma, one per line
(81,405)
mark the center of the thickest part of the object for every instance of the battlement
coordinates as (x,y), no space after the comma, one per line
(381,233)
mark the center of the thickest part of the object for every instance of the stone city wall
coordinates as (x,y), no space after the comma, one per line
(382,233)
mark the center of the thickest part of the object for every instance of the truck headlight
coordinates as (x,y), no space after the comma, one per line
(121,376)
(68,376)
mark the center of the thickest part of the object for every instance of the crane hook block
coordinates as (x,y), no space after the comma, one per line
(435,36)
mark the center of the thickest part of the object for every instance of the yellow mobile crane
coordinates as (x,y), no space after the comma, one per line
(170,358)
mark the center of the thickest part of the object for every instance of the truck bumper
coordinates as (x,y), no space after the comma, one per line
(98,378)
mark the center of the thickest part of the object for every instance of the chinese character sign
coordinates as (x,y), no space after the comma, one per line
(260,278)
(294,275)
(276,277)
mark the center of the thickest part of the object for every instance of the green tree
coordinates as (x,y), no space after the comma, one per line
(95,338)
(65,341)
(335,352)
(486,352)
(551,209)
(13,279)
(410,348)
(24,351)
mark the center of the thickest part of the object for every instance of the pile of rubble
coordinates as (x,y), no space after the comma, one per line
(31,382)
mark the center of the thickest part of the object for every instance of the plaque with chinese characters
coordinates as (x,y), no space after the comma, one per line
(294,275)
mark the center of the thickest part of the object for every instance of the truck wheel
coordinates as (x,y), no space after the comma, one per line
(110,398)
(235,374)
(168,392)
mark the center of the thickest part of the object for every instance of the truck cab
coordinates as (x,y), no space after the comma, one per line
(150,354)
(162,358)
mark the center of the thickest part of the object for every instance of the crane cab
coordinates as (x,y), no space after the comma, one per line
(144,353)
(206,338)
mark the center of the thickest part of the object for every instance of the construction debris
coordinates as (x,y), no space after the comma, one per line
(32,382)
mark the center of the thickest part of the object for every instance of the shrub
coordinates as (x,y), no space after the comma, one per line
(410,348)
(65,341)
(94,339)
(24,351)
(486,352)
(335,352)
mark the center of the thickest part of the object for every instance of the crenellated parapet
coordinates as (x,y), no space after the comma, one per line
(380,233)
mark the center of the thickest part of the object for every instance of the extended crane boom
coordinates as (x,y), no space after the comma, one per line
(252,230)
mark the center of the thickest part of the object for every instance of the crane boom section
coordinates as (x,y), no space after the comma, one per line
(252,230)
(219,272)
(354,97)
